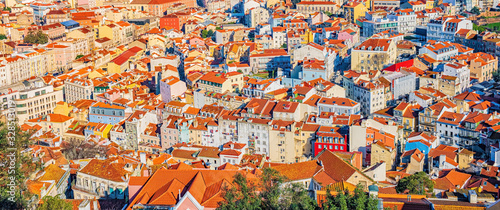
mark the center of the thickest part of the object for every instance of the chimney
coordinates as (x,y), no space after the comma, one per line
(143,157)
(472,196)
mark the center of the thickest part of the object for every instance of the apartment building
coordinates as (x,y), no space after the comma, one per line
(92,182)
(36,100)
(444,28)
(76,89)
(481,65)
(370,94)
(19,67)
(257,16)
(270,59)
(373,54)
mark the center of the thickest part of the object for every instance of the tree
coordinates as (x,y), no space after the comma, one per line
(418,183)
(76,149)
(496,76)
(2,36)
(344,200)
(55,202)
(15,167)
(284,45)
(210,33)
(37,37)
(78,57)
(475,11)
(7,9)
(478,28)
(241,196)
(275,193)
(204,34)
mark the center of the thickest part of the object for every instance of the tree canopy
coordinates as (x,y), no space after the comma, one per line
(418,183)
(15,171)
(274,194)
(55,202)
(277,193)
(475,11)
(344,200)
(37,37)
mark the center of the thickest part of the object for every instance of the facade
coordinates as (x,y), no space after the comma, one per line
(444,28)
(36,102)
(98,184)
(77,89)
(105,113)
(373,54)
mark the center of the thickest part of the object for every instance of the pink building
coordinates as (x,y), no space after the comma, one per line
(171,87)
(63,55)
(169,133)
(350,36)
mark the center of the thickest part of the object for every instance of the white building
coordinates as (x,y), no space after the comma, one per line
(76,89)
(339,106)
(36,100)
(460,71)
(444,28)
(256,131)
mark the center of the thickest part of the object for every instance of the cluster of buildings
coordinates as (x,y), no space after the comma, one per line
(176,97)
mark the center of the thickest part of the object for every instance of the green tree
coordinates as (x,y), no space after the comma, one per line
(475,11)
(478,28)
(284,45)
(18,166)
(55,202)
(418,183)
(37,37)
(204,34)
(275,193)
(79,56)
(496,76)
(210,33)
(241,196)
(7,9)
(2,36)
(344,200)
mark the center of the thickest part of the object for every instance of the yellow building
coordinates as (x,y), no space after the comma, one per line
(122,62)
(111,31)
(373,54)
(429,4)
(354,10)
(99,129)
(465,157)
(307,37)
(221,82)
(56,123)
(382,152)
(62,108)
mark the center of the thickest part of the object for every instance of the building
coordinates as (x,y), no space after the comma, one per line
(103,179)
(36,101)
(373,54)
(105,113)
(481,65)
(444,28)
(370,94)
(171,87)
(221,82)
(77,89)
(310,7)
(257,16)
(461,72)
(271,60)
(354,10)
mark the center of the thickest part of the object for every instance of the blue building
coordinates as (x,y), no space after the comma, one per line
(40,10)
(106,113)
